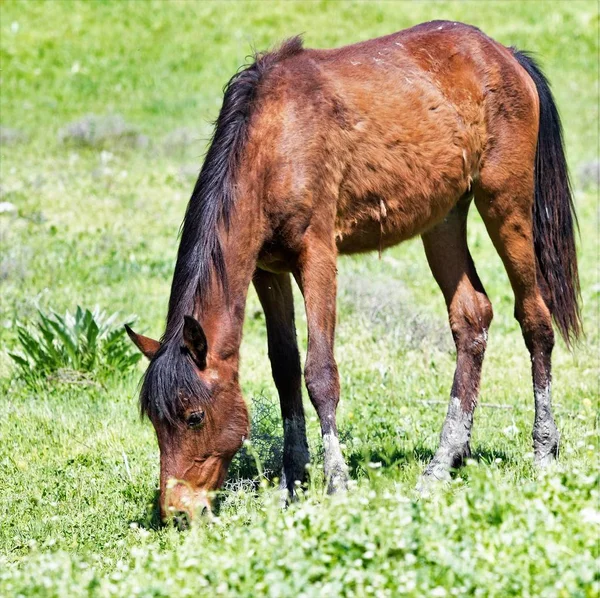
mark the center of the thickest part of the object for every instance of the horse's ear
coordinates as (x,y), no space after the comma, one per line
(194,340)
(146,345)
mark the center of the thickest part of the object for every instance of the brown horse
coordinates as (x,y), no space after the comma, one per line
(324,152)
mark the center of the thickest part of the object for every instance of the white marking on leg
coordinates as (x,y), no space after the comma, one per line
(545,434)
(456,432)
(335,468)
(454,441)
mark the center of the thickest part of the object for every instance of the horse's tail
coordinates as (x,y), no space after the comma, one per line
(554,219)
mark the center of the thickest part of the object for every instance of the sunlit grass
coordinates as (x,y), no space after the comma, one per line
(98,226)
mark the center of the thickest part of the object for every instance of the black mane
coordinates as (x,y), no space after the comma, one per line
(200,260)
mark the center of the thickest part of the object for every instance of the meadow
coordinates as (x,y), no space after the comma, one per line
(105,108)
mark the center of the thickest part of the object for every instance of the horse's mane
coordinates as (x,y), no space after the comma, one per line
(200,260)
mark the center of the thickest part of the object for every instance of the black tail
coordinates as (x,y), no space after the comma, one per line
(554,218)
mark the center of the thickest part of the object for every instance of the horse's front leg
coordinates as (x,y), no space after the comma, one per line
(275,294)
(316,276)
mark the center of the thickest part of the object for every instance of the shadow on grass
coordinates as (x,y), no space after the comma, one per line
(358,461)
(489,455)
(151,520)
(358,466)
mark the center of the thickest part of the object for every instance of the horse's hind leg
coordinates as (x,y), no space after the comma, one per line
(275,294)
(470,314)
(508,217)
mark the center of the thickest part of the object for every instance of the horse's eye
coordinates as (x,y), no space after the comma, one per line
(195,419)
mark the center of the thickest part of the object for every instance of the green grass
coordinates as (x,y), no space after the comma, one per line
(98,226)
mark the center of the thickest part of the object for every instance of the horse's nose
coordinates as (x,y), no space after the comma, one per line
(181,520)
(183,517)
(183,505)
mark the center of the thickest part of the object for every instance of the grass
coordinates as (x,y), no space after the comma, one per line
(73,347)
(95,223)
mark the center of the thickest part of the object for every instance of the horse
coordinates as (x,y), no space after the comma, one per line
(320,153)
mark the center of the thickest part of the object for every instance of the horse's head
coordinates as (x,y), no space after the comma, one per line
(201,420)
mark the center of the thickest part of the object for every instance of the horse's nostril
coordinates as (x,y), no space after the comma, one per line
(181,520)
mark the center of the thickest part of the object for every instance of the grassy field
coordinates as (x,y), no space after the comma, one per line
(95,221)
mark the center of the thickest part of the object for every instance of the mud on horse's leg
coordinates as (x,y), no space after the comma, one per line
(316,277)
(470,314)
(508,221)
(275,294)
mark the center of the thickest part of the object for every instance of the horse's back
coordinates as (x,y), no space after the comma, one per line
(392,129)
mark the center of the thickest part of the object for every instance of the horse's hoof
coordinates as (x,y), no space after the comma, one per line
(546,451)
(337,483)
(287,494)
(433,476)
(546,459)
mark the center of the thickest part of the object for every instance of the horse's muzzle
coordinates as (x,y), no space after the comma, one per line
(182,504)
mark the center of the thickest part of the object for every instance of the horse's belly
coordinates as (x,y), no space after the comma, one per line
(376,222)
(401,180)
(368,237)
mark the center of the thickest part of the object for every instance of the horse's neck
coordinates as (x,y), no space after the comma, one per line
(222,310)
